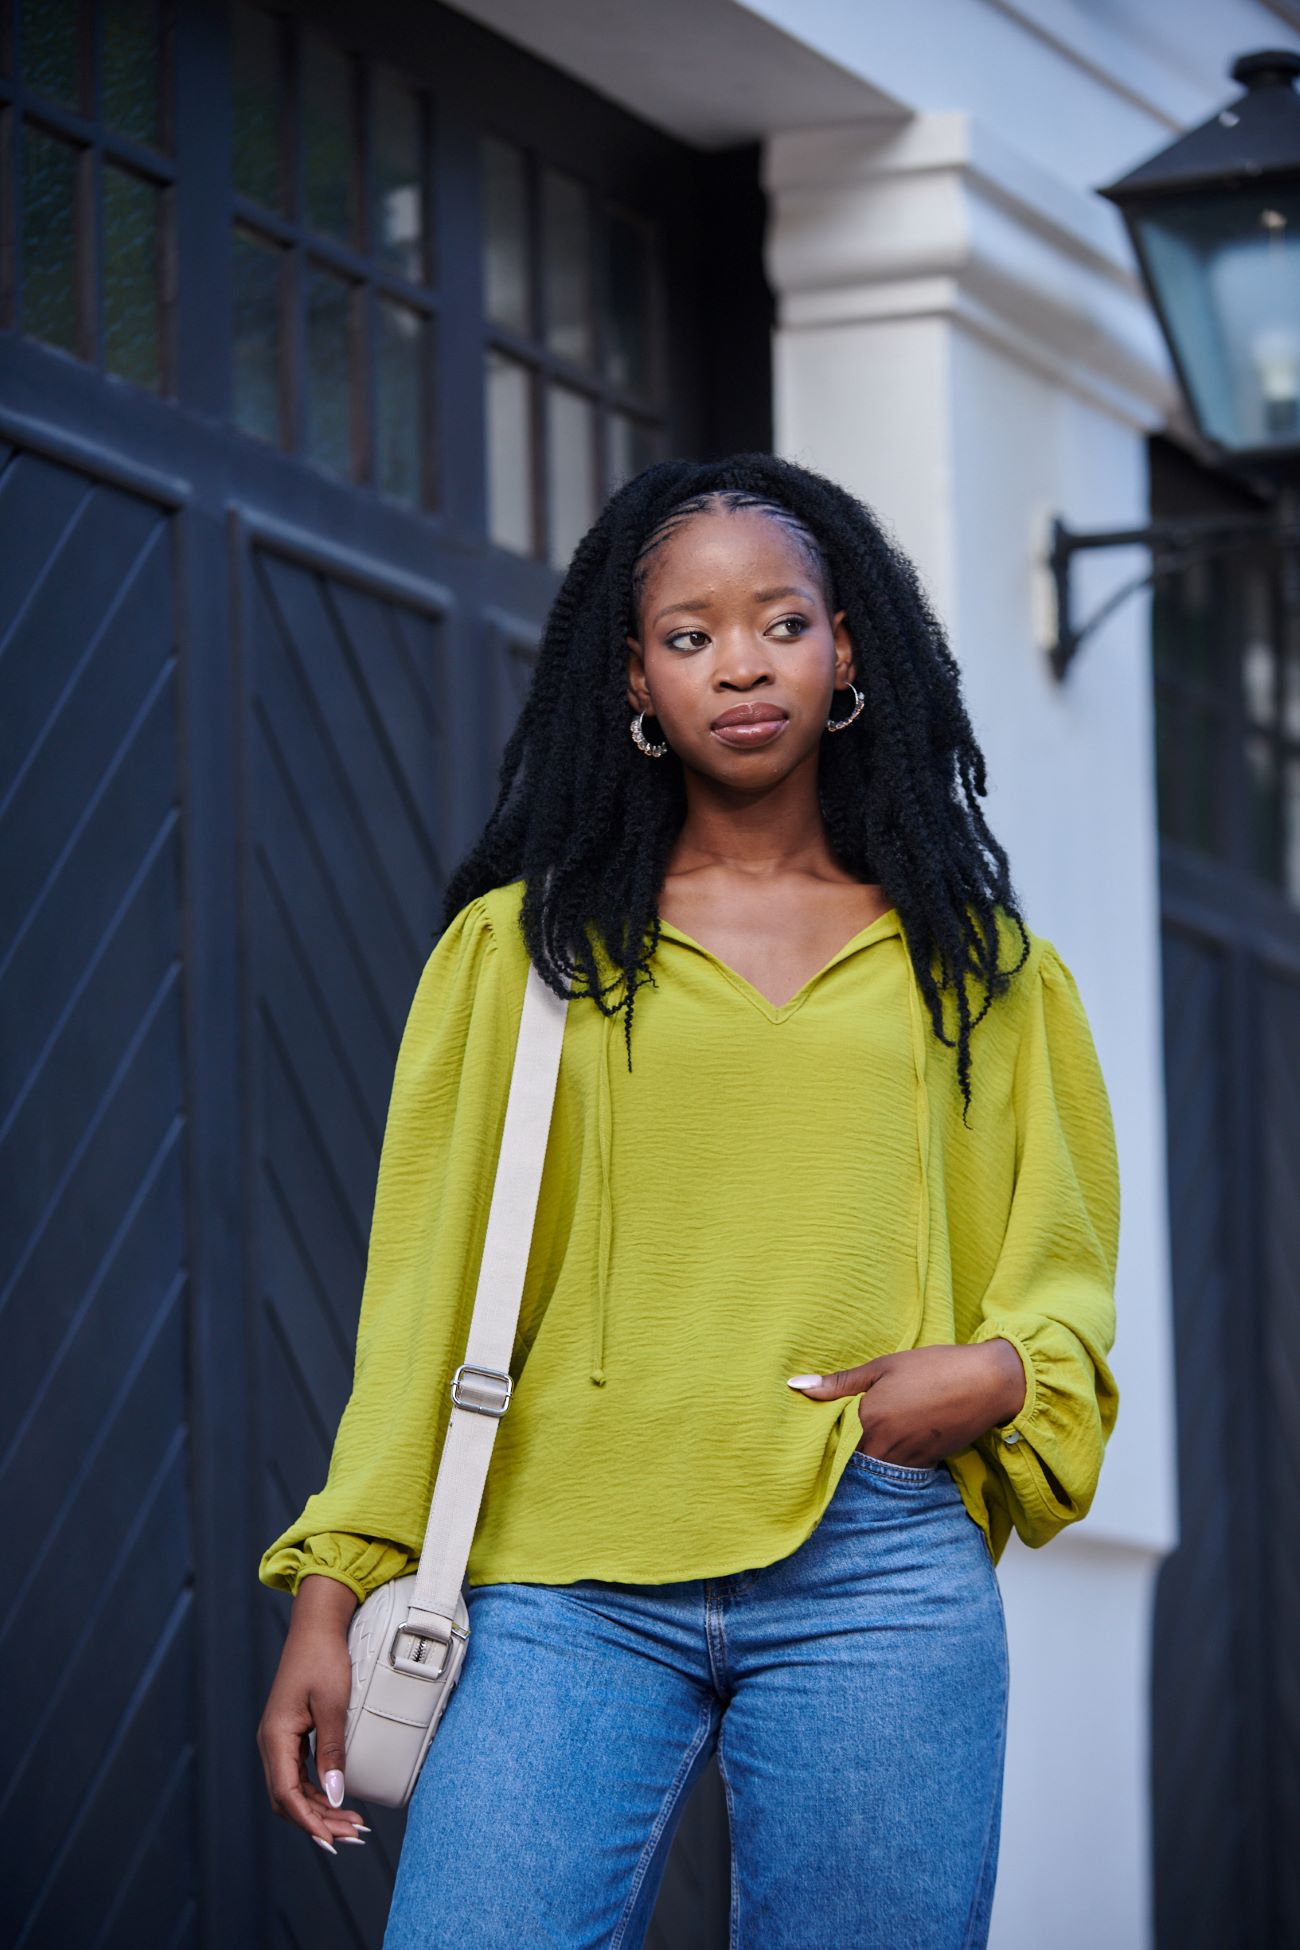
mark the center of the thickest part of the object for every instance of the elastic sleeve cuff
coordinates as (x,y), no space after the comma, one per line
(361,1563)
(1021,1423)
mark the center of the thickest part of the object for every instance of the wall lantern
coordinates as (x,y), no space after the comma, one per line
(1215,225)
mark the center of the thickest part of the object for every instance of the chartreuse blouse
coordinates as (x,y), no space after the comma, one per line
(769,1191)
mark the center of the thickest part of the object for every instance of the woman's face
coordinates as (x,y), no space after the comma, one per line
(733,624)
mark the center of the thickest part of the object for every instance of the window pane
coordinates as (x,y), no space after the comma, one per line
(1293,829)
(48,230)
(256,109)
(570,470)
(258,269)
(1263,808)
(400,427)
(1258,657)
(1291,674)
(132,346)
(130,70)
(505,250)
(329,141)
(329,370)
(510,454)
(49,49)
(566,256)
(1200,795)
(399,180)
(1168,771)
(627,306)
(630,447)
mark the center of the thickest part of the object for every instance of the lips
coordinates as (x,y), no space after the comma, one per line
(749,714)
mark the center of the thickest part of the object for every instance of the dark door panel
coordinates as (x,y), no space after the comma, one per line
(94,1462)
(1225,1764)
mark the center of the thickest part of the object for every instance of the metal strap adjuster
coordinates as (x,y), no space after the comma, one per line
(414,1662)
(488,1374)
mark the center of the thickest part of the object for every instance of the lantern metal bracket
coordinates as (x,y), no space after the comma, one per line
(1173,544)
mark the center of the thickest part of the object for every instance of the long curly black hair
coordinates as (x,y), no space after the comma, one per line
(588,821)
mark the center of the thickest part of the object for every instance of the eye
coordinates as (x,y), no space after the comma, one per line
(801,624)
(671,641)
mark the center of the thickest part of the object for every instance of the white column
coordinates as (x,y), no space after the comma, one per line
(961,341)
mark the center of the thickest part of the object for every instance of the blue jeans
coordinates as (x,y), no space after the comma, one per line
(855,1692)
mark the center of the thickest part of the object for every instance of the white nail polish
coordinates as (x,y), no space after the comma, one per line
(353,1840)
(361,1828)
(322,1844)
(803,1381)
(333,1785)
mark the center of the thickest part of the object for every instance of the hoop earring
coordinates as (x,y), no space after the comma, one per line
(651,751)
(838,724)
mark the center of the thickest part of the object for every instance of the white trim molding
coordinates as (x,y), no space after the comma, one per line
(937,217)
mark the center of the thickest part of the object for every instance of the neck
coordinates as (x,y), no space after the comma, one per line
(759,833)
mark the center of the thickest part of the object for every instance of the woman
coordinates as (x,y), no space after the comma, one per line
(820,1292)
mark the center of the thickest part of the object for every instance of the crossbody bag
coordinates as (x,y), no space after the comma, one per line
(408,1640)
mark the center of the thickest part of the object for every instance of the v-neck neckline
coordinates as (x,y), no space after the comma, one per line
(779,1012)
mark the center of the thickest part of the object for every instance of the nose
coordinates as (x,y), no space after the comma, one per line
(744,662)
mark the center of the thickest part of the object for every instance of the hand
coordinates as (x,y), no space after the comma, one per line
(311,1689)
(924,1403)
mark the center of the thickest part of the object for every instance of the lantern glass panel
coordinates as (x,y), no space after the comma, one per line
(1227,273)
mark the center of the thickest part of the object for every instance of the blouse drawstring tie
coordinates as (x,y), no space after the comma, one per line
(604,1123)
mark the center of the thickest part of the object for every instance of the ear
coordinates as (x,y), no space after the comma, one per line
(845,667)
(638,694)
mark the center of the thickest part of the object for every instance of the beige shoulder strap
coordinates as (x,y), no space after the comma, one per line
(481,1388)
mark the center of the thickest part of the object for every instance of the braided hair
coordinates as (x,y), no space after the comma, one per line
(589,823)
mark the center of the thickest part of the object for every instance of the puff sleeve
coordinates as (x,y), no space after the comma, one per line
(361,1563)
(441,1136)
(1052,1292)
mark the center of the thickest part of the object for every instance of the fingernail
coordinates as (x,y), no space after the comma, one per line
(803,1381)
(322,1844)
(361,1828)
(352,1839)
(334,1788)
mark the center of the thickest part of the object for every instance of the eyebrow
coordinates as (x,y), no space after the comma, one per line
(760,596)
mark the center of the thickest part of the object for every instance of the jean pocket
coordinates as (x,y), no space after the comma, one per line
(893,1472)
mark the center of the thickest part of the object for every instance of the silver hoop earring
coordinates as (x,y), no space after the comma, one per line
(838,724)
(651,751)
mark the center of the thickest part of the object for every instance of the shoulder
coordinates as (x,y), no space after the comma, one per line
(482,946)
(1024,961)
(1032,961)
(500,909)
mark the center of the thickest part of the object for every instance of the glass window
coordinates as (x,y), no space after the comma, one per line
(258,280)
(399,185)
(328,273)
(131,69)
(506,295)
(132,346)
(399,432)
(85,212)
(48,231)
(1263,802)
(578,318)
(1258,655)
(570,470)
(567,260)
(52,50)
(329,141)
(627,340)
(329,369)
(256,108)
(511,518)
(1292,842)
(632,446)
